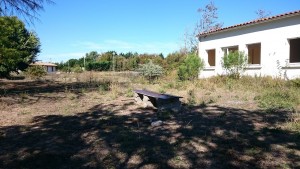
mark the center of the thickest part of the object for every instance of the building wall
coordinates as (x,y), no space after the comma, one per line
(50,69)
(275,48)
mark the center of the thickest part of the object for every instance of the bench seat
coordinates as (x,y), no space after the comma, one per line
(148,98)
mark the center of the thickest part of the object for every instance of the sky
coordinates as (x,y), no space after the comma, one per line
(71,28)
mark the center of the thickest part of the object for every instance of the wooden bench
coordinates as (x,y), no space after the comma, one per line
(160,101)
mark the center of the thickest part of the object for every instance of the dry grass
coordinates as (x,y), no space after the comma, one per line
(90,120)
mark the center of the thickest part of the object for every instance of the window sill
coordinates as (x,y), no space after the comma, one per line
(253,67)
(292,66)
(212,68)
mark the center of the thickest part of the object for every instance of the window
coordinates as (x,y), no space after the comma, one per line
(233,49)
(211,57)
(230,49)
(295,50)
(254,53)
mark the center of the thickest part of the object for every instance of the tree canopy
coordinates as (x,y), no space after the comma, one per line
(18,46)
(27,9)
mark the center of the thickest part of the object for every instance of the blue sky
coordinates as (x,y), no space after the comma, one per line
(71,28)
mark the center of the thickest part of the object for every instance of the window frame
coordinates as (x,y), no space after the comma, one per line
(226,49)
(297,58)
(259,43)
(207,52)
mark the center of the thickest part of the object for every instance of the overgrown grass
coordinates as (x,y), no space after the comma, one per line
(276,99)
(267,93)
(294,122)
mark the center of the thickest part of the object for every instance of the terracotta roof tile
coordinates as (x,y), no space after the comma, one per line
(257,21)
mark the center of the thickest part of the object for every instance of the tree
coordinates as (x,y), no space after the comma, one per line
(98,66)
(190,68)
(208,22)
(92,56)
(261,13)
(173,60)
(27,9)
(235,63)
(18,46)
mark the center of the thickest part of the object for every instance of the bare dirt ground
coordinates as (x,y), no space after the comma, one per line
(58,125)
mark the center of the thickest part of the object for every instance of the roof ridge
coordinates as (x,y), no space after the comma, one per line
(251,22)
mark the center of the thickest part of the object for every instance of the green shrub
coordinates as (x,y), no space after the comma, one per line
(235,63)
(189,69)
(150,70)
(35,72)
(276,99)
(77,69)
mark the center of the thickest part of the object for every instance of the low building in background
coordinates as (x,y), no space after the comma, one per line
(271,44)
(49,67)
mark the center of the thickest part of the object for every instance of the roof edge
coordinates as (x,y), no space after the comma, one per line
(250,23)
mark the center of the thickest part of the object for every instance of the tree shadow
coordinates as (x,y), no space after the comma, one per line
(103,137)
(29,92)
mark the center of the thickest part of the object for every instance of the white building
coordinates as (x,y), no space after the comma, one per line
(272,46)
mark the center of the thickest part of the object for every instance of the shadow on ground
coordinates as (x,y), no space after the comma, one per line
(30,92)
(211,137)
(8,88)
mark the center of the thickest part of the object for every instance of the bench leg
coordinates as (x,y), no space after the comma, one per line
(147,102)
(137,98)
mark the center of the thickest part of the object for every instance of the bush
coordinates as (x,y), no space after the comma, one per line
(77,69)
(190,68)
(35,72)
(151,70)
(235,63)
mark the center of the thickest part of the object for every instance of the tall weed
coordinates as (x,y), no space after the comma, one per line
(191,99)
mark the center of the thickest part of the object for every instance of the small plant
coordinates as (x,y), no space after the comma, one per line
(129,93)
(203,104)
(115,90)
(235,63)
(162,91)
(229,83)
(190,68)
(191,99)
(35,72)
(170,85)
(104,87)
